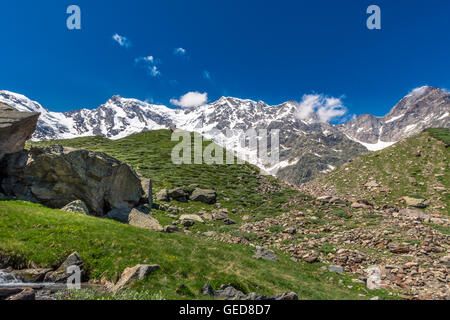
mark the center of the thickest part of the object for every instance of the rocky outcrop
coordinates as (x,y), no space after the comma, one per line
(15,129)
(56,176)
(60,275)
(228,292)
(205,196)
(425,107)
(31,275)
(26,295)
(265,254)
(138,272)
(143,221)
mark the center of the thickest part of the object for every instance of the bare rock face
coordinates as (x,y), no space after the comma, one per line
(55,176)
(425,107)
(15,129)
(138,272)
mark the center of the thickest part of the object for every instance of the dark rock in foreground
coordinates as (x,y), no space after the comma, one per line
(56,176)
(228,292)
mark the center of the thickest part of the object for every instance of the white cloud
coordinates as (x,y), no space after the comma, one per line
(122,41)
(179,51)
(154,72)
(150,64)
(324,108)
(190,99)
(206,75)
(148,59)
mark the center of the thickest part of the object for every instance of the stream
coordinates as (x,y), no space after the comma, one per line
(44,290)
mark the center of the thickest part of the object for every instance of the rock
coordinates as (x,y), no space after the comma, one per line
(265,254)
(337,269)
(207,290)
(445,260)
(361,204)
(31,275)
(188,223)
(415,202)
(178,194)
(207,216)
(219,214)
(76,206)
(147,187)
(171,229)
(289,296)
(192,217)
(246,217)
(143,221)
(373,277)
(311,258)
(228,292)
(228,221)
(204,196)
(119,214)
(138,272)
(25,295)
(398,249)
(325,199)
(375,298)
(8,292)
(61,275)
(210,233)
(56,176)
(414,214)
(290,230)
(162,195)
(15,129)
(173,210)
(371,184)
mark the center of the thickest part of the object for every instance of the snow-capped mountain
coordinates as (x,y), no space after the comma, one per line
(308,147)
(424,107)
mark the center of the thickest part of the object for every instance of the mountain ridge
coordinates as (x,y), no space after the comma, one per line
(307,145)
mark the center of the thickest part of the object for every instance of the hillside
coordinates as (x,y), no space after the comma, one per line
(325,247)
(417,167)
(33,234)
(30,232)
(239,187)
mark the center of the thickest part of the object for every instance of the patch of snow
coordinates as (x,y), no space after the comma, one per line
(395,118)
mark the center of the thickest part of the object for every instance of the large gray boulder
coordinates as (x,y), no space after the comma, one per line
(60,275)
(56,176)
(138,272)
(143,221)
(178,194)
(15,129)
(204,195)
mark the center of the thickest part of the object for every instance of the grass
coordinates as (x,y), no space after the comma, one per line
(442,134)
(30,232)
(416,167)
(238,185)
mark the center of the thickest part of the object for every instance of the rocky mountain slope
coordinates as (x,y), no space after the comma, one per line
(425,107)
(308,147)
(415,171)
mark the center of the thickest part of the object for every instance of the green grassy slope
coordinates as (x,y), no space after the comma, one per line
(417,167)
(238,185)
(30,232)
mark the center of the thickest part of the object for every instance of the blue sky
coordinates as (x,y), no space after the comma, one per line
(263,50)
